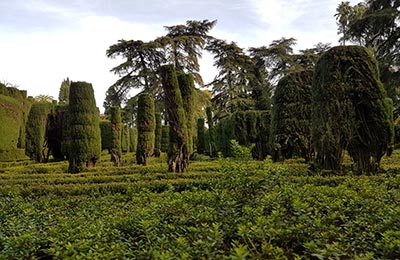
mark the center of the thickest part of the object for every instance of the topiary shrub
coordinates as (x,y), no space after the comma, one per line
(116,131)
(178,158)
(106,134)
(211,148)
(350,110)
(36,148)
(125,139)
(291,117)
(186,86)
(165,138)
(11,120)
(84,129)
(55,132)
(132,139)
(158,135)
(201,141)
(145,128)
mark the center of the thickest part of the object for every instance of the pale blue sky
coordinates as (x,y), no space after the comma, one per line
(44,41)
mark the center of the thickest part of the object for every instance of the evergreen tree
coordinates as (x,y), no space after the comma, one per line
(201,144)
(186,86)
(212,149)
(158,135)
(165,138)
(132,139)
(84,129)
(63,96)
(125,138)
(145,128)
(178,158)
(116,132)
(106,135)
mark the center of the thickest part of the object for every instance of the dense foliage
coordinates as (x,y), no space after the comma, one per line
(116,135)
(201,138)
(291,116)
(350,110)
(106,134)
(158,135)
(165,138)
(145,127)
(84,130)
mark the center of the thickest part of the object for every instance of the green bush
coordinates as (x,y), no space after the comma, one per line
(132,139)
(145,127)
(116,131)
(106,134)
(186,86)
(125,139)
(84,127)
(12,118)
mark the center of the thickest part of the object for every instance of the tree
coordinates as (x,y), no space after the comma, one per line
(36,131)
(158,135)
(63,96)
(291,116)
(106,134)
(212,149)
(55,131)
(201,140)
(343,16)
(125,138)
(350,110)
(231,87)
(178,158)
(187,89)
(84,129)
(116,135)
(145,128)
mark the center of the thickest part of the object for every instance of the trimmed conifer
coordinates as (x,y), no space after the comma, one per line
(125,138)
(132,139)
(178,157)
(291,117)
(350,110)
(165,138)
(211,149)
(36,131)
(201,144)
(106,135)
(145,127)
(116,130)
(84,129)
(186,86)
(158,135)
(55,132)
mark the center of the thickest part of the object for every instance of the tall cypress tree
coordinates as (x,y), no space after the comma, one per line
(165,138)
(201,144)
(158,136)
(84,132)
(178,157)
(55,131)
(186,86)
(132,139)
(145,128)
(36,131)
(116,130)
(125,138)
(212,149)
(350,110)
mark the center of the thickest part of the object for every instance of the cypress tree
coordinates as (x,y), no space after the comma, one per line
(165,138)
(132,139)
(201,144)
(106,134)
(158,136)
(125,138)
(178,158)
(116,130)
(55,131)
(186,86)
(145,127)
(211,133)
(350,110)
(36,131)
(84,130)
(291,116)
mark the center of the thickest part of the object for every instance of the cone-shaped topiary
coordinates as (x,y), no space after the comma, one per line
(186,86)
(158,136)
(145,128)
(350,110)
(84,130)
(201,140)
(116,130)
(165,138)
(178,157)
(291,116)
(106,134)
(36,131)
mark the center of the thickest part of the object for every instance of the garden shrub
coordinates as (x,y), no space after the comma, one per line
(145,128)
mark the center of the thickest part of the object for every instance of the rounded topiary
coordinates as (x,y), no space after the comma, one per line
(145,128)
(36,148)
(350,110)
(178,157)
(84,129)
(291,116)
(158,135)
(116,131)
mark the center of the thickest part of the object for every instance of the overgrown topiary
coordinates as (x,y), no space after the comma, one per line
(291,117)
(145,128)
(165,138)
(106,134)
(178,157)
(350,110)
(158,135)
(186,86)
(36,147)
(116,131)
(84,129)
(201,144)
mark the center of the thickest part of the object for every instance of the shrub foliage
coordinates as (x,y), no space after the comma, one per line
(145,127)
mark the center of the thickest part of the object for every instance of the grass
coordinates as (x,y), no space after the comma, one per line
(221,209)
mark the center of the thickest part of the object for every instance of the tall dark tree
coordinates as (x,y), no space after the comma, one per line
(55,131)
(350,110)
(212,149)
(178,157)
(158,135)
(201,139)
(84,129)
(186,86)
(63,96)
(145,128)
(343,16)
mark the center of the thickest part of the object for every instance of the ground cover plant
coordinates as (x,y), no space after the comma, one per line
(219,209)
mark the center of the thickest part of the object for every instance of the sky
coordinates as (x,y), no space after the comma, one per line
(43,42)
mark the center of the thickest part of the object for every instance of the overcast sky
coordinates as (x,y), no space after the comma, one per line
(43,42)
